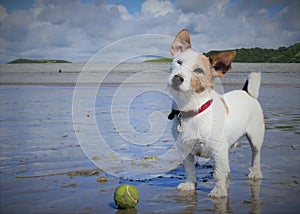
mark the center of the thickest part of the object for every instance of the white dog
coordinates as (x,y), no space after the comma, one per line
(210,123)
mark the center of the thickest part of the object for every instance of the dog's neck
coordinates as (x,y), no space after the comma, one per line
(193,101)
(188,114)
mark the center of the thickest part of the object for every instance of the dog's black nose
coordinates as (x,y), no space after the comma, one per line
(177,80)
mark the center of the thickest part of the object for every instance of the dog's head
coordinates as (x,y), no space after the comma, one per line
(192,71)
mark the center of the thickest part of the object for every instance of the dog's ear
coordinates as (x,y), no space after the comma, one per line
(221,62)
(181,42)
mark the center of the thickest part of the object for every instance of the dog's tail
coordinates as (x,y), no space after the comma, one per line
(252,84)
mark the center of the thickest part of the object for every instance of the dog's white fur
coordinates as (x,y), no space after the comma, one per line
(230,116)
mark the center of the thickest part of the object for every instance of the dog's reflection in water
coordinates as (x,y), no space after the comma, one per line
(255,199)
(222,205)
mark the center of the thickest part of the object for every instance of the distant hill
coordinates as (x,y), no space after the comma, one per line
(160,60)
(252,55)
(37,61)
(258,55)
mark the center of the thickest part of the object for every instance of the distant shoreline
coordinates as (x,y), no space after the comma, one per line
(134,73)
(21,60)
(289,54)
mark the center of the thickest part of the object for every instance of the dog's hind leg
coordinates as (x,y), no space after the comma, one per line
(255,137)
(189,166)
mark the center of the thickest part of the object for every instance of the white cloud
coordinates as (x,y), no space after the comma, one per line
(124,13)
(157,7)
(3,13)
(58,29)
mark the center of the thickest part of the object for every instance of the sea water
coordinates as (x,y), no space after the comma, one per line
(39,135)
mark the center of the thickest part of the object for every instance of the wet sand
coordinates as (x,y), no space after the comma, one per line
(44,169)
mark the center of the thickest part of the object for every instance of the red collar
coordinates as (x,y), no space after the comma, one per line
(186,114)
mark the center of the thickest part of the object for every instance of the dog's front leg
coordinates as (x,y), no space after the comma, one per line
(191,180)
(221,174)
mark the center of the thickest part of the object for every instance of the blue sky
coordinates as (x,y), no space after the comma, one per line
(11,5)
(75,30)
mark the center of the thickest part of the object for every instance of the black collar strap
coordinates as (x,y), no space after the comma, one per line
(187,114)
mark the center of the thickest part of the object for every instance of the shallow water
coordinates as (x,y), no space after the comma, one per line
(44,169)
(273,73)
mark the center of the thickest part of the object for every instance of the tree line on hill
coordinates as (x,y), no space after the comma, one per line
(289,54)
(21,60)
(259,55)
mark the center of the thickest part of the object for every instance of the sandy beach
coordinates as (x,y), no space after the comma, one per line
(47,168)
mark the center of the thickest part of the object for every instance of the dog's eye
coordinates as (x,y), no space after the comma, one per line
(179,62)
(198,70)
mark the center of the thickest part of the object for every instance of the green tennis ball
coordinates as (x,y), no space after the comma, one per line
(126,196)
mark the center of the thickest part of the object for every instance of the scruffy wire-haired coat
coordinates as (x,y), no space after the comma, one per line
(210,123)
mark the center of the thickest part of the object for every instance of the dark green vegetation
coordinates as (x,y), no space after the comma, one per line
(258,55)
(280,55)
(37,61)
(160,60)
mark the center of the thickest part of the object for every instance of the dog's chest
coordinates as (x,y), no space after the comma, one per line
(201,134)
(197,128)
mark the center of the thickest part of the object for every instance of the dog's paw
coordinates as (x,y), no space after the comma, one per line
(218,193)
(255,174)
(187,186)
